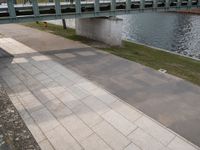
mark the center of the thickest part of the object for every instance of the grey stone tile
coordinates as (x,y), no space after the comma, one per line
(45,145)
(76,127)
(11,80)
(60,69)
(58,109)
(5,72)
(45,120)
(41,58)
(144,140)
(41,76)
(47,81)
(35,130)
(96,105)
(33,84)
(21,89)
(31,103)
(54,74)
(165,148)
(86,53)
(23,75)
(111,136)
(48,71)
(78,92)
(62,140)
(72,76)
(65,55)
(86,85)
(51,63)
(119,122)
(63,81)
(39,65)
(93,142)
(14,98)
(31,69)
(56,89)
(180,144)
(20,108)
(20,60)
(127,111)
(104,96)
(161,134)
(68,99)
(44,95)
(132,147)
(86,114)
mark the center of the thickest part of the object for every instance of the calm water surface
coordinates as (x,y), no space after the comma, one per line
(171,31)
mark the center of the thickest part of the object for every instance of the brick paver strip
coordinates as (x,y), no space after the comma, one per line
(63,110)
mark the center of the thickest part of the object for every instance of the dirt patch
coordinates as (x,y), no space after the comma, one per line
(14,135)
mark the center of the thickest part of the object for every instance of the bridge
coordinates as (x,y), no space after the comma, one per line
(15,13)
(94,20)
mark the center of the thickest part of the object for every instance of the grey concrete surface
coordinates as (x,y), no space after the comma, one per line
(4,54)
(166,98)
(106,30)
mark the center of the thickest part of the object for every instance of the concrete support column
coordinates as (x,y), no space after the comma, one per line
(107,30)
(155,4)
(11,8)
(35,7)
(167,4)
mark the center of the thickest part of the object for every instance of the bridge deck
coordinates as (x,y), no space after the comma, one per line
(11,12)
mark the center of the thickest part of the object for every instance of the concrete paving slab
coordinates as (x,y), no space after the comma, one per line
(111,136)
(95,142)
(144,140)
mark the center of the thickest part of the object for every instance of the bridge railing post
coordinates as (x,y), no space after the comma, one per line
(155,5)
(35,8)
(178,5)
(57,7)
(142,4)
(113,5)
(78,6)
(96,6)
(189,4)
(167,4)
(11,8)
(128,5)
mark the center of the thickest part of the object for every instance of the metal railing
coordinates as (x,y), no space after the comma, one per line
(32,10)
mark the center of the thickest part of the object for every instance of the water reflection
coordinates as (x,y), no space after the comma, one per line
(175,32)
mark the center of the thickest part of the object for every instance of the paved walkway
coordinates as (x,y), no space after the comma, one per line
(169,100)
(134,83)
(65,111)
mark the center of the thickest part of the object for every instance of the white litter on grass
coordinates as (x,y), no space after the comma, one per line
(162,70)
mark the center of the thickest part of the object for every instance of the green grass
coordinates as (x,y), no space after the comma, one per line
(58,30)
(185,68)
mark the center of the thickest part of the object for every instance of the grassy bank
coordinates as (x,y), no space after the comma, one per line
(179,66)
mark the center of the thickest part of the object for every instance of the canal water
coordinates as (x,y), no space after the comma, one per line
(170,31)
(179,33)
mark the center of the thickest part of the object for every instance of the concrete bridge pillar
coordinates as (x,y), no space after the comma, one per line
(106,29)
